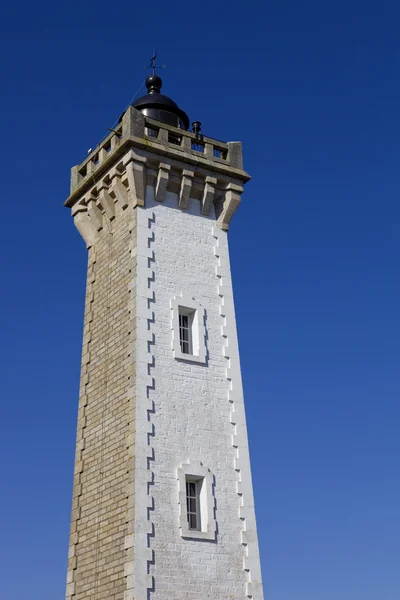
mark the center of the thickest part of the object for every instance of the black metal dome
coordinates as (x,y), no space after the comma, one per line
(157,106)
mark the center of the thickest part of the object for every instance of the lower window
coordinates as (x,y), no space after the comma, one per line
(196,501)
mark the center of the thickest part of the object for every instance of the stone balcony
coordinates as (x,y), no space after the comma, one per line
(141,151)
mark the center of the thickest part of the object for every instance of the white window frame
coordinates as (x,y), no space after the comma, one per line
(196,471)
(189,306)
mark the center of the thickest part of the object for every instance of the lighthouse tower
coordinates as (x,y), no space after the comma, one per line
(163,503)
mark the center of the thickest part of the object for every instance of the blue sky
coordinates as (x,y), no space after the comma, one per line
(312,89)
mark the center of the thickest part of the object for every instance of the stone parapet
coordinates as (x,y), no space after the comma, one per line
(142,151)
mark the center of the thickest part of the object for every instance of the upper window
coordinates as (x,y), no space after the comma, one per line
(188,330)
(186,319)
(193,504)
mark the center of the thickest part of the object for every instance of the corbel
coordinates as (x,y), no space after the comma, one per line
(162,181)
(135,166)
(186,188)
(208,195)
(105,200)
(94,212)
(117,190)
(230,203)
(84,224)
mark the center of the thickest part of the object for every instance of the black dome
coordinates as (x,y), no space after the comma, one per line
(157,106)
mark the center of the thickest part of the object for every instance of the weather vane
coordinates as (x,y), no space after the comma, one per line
(153,65)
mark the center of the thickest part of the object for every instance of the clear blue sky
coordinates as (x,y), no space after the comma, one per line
(312,89)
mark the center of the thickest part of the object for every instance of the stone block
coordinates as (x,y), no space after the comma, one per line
(133,123)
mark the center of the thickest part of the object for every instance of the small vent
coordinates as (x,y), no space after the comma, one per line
(219,153)
(151,132)
(197,147)
(173,138)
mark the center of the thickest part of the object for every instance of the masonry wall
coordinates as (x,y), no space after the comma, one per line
(103,497)
(192,416)
(143,413)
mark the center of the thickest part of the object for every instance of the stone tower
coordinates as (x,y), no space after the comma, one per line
(162,503)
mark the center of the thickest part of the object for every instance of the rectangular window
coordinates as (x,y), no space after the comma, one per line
(197,518)
(188,329)
(193,504)
(185,332)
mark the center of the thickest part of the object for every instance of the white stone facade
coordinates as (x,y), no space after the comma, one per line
(196,412)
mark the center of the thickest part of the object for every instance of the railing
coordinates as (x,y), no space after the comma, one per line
(151,133)
(100,153)
(188,141)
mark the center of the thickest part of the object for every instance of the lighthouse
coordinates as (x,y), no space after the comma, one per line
(163,504)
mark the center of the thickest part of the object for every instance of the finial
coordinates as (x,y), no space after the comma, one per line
(152,64)
(153,61)
(153,81)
